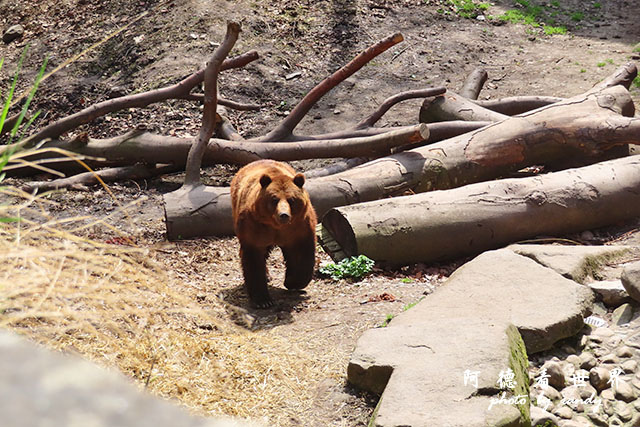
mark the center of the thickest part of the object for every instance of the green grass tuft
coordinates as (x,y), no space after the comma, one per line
(353,267)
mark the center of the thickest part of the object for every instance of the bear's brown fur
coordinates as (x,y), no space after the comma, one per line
(270,208)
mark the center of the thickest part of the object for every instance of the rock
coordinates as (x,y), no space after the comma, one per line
(587,391)
(614,341)
(571,397)
(573,262)
(504,416)
(597,419)
(624,391)
(601,333)
(624,351)
(629,366)
(564,412)
(611,292)
(622,314)
(556,374)
(412,359)
(587,360)
(610,358)
(608,395)
(624,411)
(574,360)
(599,378)
(551,393)
(44,388)
(541,417)
(14,32)
(631,280)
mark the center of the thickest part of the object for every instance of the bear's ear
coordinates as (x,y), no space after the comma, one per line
(298,180)
(265,180)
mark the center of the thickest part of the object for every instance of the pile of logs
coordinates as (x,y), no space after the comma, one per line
(468,150)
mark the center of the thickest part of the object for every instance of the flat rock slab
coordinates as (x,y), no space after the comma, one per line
(420,358)
(41,388)
(573,262)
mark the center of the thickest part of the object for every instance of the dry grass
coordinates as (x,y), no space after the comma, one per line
(116,306)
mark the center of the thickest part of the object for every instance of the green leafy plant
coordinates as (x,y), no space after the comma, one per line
(551,30)
(352,267)
(412,304)
(468,8)
(577,16)
(636,82)
(386,321)
(597,5)
(601,64)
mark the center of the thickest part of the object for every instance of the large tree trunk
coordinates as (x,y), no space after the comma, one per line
(581,126)
(443,225)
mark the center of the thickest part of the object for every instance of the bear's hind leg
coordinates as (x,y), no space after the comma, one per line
(254,268)
(300,260)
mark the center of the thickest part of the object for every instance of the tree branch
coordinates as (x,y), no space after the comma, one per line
(284,130)
(473,84)
(194,159)
(393,100)
(92,112)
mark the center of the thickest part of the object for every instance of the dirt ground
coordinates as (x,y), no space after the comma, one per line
(315,38)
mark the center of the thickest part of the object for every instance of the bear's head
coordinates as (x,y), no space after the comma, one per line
(282,198)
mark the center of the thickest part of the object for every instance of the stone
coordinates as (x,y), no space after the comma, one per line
(14,32)
(541,417)
(571,397)
(551,393)
(622,315)
(601,333)
(587,360)
(556,374)
(564,412)
(573,262)
(611,292)
(597,419)
(608,395)
(412,360)
(624,411)
(629,366)
(599,378)
(574,360)
(631,279)
(587,391)
(39,387)
(614,341)
(504,416)
(624,351)
(568,349)
(610,359)
(624,391)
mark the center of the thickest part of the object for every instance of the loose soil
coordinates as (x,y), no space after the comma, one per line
(314,37)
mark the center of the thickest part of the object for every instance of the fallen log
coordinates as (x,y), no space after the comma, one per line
(581,127)
(443,225)
(514,105)
(452,106)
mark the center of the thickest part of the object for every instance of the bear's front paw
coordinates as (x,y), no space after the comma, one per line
(264,302)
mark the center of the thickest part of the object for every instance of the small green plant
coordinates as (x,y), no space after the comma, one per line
(386,321)
(412,304)
(637,48)
(555,3)
(550,30)
(636,82)
(577,16)
(582,70)
(601,64)
(352,267)
(406,280)
(597,5)
(468,8)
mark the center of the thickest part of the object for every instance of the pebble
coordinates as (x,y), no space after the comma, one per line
(587,360)
(599,377)
(563,412)
(629,366)
(610,358)
(608,395)
(597,419)
(624,351)
(574,360)
(624,411)
(623,391)
(556,375)
(14,32)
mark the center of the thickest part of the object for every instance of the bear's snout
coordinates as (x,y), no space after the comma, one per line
(284,212)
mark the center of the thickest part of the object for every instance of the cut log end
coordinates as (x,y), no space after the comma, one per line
(336,236)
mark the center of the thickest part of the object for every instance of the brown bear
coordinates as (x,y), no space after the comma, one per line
(270,208)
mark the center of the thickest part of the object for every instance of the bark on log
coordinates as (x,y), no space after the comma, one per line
(515,105)
(587,124)
(141,146)
(473,84)
(452,106)
(444,225)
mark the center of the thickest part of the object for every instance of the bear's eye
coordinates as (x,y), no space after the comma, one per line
(292,202)
(274,200)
